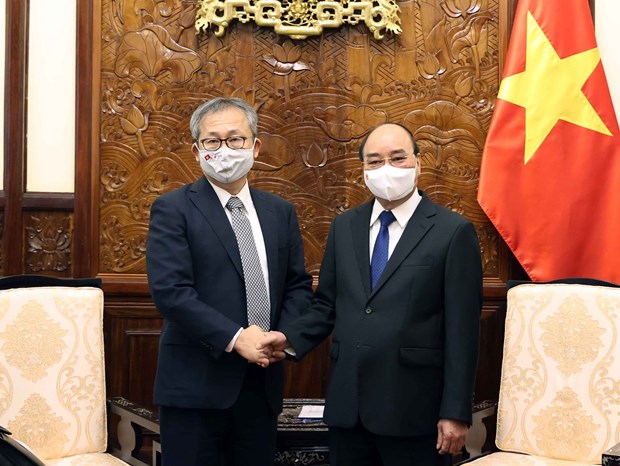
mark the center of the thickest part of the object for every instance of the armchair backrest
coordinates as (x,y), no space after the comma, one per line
(560,383)
(52,381)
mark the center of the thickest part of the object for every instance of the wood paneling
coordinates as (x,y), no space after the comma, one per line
(131,326)
(48,243)
(15,133)
(142,70)
(316,99)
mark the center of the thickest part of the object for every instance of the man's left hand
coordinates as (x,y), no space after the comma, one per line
(451,436)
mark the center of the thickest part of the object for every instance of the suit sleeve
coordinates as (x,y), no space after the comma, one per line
(298,282)
(317,322)
(463,304)
(171,280)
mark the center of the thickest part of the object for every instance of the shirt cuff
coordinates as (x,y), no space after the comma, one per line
(231,345)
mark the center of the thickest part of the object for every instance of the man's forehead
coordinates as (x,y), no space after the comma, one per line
(229,120)
(388,137)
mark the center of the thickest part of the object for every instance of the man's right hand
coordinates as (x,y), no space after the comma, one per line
(247,345)
(277,343)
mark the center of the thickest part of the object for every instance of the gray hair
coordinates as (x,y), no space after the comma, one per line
(220,104)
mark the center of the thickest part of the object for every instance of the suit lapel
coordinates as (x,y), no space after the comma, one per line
(360,232)
(419,224)
(206,201)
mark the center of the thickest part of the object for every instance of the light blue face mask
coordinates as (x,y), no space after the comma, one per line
(226,165)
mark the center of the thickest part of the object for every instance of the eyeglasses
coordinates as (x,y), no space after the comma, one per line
(233,142)
(397,160)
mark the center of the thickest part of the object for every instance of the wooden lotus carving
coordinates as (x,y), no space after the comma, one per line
(316,100)
(152,50)
(299,19)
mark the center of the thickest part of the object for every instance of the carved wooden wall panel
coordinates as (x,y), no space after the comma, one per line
(316,99)
(132,329)
(48,243)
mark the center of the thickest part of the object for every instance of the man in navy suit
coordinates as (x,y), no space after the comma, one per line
(400,291)
(216,408)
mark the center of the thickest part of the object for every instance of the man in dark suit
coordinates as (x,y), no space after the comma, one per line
(400,291)
(225,263)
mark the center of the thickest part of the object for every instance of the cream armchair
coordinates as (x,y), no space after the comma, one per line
(52,378)
(559,400)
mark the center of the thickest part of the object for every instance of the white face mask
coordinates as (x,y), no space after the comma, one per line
(226,165)
(390,183)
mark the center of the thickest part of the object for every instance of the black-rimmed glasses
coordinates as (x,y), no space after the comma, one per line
(233,142)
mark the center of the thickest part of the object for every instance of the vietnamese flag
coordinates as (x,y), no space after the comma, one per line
(550,175)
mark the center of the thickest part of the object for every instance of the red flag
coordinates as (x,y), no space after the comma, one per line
(550,175)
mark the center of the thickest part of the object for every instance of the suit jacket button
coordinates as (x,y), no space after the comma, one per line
(368,310)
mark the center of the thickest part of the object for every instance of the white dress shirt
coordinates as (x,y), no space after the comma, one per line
(402,213)
(250,211)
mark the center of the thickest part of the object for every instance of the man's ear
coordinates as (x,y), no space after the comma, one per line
(257,145)
(195,152)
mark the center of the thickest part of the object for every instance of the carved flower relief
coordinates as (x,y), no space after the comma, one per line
(133,13)
(276,152)
(571,337)
(135,122)
(449,137)
(457,8)
(564,428)
(33,329)
(348,122)
(284,68)
(113,177)
(49,244)
(39,427)
(152,51)
(466,36)
(432,64)
(134,125)
(297,10)
(154,97)
(315,155)
(464,84)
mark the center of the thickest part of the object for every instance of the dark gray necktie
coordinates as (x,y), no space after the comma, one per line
(255,289)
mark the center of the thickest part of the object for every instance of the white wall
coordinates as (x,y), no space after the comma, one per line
(607,20)
(51,96)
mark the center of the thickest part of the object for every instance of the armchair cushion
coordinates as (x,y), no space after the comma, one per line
(559,392)
(90,459)
(518,459)
(52,385)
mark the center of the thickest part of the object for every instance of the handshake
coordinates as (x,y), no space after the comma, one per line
(260,347)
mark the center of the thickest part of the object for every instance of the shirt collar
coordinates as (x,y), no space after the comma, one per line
(402,213)
(223,195)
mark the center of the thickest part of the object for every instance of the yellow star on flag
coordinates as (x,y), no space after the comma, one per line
(550,89)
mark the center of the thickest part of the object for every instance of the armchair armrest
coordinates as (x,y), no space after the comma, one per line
(611,457)
(136,423)
(481,435)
